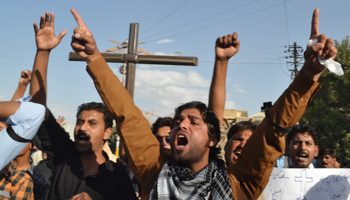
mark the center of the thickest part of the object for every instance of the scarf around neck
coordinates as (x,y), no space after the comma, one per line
(176,182)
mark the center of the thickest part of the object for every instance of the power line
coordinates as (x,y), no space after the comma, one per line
(165,17)
(220,22)
(285,14)
(200,20)
(297,58)
(246,50)
(32,46)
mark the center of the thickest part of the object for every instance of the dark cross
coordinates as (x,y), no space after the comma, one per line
(132,58)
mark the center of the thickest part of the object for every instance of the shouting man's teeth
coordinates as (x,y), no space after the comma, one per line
(181,141)
(303,157)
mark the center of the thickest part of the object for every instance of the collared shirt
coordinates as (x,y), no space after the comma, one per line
(16,184)
(280,162)
(25,123)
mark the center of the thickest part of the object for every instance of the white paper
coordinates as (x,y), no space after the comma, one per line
(310,184)
(330,64)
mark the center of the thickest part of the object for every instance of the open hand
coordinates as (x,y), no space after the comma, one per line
(60,120)
(45,36)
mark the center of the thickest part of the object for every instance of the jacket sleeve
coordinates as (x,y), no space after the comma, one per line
(141,147)
(54,140)
(250,175)
(24,123)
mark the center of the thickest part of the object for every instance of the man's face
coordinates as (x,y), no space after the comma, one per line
(26,151)
(235,144)
(327,161)
(302,150)
(189,139)
(163,136)
(90,132)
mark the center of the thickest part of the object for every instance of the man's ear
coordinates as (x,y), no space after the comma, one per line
(107,133)
(316,150)
(213,142)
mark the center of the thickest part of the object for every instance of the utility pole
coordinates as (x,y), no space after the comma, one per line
(296,51)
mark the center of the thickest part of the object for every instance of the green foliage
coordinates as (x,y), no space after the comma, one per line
(330,110)
(113,139)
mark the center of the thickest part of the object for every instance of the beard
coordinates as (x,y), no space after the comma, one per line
(192,156)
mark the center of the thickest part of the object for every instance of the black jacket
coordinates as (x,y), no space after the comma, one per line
(111,182)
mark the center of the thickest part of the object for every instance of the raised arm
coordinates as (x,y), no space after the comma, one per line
(141,147)
(251,173)
(26,76)
(52,136)
(225,47)
(45,41)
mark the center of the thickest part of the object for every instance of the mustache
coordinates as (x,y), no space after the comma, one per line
(303,153)
(82,134)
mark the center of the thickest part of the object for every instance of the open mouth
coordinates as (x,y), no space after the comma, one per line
(82,138)
(181,140)
(302,157)
(237,153)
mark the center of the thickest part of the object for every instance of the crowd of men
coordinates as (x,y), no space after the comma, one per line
(195,155)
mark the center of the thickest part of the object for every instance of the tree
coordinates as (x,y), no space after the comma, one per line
(113,139)
(329,112)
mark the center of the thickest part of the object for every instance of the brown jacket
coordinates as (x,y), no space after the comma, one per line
(248,177)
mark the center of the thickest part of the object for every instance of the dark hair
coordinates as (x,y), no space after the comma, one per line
(100,107)
(327,151)
(239,127)
(161,122)
(209,118)
(302,128)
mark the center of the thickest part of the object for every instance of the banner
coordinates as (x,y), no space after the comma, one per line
(308,184)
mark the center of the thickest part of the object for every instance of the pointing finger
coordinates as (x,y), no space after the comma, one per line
(79,20)
(314,25)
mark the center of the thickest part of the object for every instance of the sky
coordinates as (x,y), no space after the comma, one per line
(257,73)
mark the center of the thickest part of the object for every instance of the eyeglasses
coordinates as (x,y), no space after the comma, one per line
(160,139)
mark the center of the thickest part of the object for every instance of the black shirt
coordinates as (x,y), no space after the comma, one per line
(111,182)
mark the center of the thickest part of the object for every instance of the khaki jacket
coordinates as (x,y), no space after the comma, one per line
(248,177)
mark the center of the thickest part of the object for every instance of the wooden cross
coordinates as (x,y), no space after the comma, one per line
(132,58)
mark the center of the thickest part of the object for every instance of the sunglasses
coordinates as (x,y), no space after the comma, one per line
(160,139)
